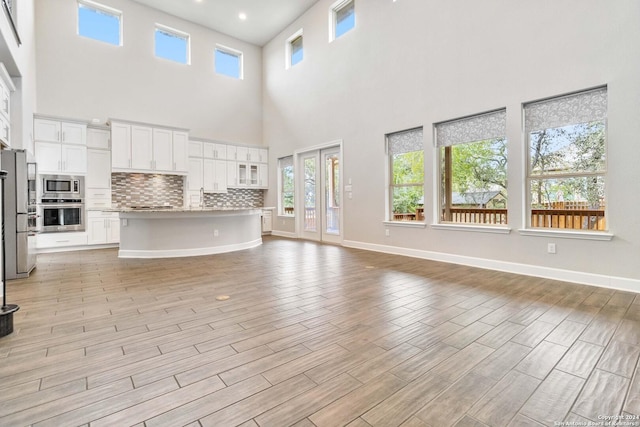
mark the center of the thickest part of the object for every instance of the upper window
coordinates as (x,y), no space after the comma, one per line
(566,139)
(172,44)
(406,175)
(228,62)
(294,49)
(342,18)
(286,186)
(473,169)
(99,22)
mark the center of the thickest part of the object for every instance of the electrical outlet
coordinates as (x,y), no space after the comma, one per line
(551,248)
(215,233)
(386,232)
(124,222)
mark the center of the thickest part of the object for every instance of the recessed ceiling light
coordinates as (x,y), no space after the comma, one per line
(242,16)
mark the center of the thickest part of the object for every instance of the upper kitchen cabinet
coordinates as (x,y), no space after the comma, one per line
(142,148)
(46,130)
(6,87)
(98,138)
(60,146)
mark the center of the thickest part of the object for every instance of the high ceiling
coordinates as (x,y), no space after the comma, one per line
(264,18)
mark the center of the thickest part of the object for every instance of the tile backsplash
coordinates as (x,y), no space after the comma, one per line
(235,198)
(141,189)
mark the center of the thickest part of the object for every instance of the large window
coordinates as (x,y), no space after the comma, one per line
(228,62)
(286,186)
(566,139)
(342,18)
(406,175)
(473,169)
(172,44)
(99,22)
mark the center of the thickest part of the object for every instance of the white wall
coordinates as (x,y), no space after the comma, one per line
(83,78)
(414,63)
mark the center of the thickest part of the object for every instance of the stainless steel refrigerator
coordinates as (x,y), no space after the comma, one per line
(20,213)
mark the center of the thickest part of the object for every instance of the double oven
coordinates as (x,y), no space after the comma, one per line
(61,205)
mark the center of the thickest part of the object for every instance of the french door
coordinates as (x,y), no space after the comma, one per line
(319,178)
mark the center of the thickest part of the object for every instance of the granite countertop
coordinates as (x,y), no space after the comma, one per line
(174,209)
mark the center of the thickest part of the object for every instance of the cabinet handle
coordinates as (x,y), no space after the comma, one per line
(129,163)
(58,135)
(174,166)
(63,138)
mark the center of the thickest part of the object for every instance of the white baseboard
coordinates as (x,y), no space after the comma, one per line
(175,253)
(611,282)
(286,234)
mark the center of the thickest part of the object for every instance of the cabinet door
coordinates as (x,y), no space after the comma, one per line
(113,230)
(242,178)
(46,130)
(220,177)
(232,152)
(263,175)
(98,138)
(232,174)
(209,175)
(162,149)
(194,177)
(48,157)
(220,151)
(242,154)
(254,155)
(74,159)
(74,133)
(208,150)
(120,146)
(98,169)
(195,149)
(264,155)
(96,230)
(141,147)
(180,144)
(267,221)
(253,179)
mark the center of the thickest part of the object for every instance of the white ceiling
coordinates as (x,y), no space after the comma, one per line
(265,18)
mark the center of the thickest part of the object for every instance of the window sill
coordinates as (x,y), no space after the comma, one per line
(286,216)
(474,228)
(581,235)
(408,224)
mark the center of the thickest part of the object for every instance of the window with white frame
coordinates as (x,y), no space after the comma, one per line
(294,49)
(406,175)
(172,44)
(342,18)
(228,62)
(473,169)
(566,138)
(99,22)
(286,186)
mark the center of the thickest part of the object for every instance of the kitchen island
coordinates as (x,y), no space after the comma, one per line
(182,232)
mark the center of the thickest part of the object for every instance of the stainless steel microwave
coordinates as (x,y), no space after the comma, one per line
(62,187)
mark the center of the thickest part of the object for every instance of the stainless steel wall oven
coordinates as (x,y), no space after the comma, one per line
(62,203)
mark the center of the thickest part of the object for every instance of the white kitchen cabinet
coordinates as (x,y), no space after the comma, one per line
(232,173)
(49,130)
(53,157)
(212,150)
(98,138)
(61,240)
(252,175)
(263,176)
(208,174)
(148,149)
(141,147)
(103,228)
(6,87)
(98,178)
(195,175)
(232,152)
(180,147)
(267,221)
(120,146)
(195,148)
(242,154)
(263,155)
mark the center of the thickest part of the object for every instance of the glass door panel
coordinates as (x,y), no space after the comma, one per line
(331,184)
(310,191)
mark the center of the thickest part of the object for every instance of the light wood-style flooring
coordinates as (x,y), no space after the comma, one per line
(312,335)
